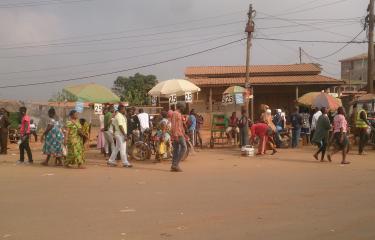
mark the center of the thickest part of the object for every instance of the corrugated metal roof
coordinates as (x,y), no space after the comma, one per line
(292,69)
(269,80)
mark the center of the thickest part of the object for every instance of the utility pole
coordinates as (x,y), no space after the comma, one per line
(249,29)
(370,57)
(300,55)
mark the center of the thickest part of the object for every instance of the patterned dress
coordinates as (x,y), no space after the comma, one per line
(54,140)
(74,145)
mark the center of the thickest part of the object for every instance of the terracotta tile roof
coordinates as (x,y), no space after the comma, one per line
(255,70)
(358,57)
(268,80)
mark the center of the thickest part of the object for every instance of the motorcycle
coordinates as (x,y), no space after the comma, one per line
(14,135)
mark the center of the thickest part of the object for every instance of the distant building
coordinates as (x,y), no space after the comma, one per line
(354,72)
(275,85)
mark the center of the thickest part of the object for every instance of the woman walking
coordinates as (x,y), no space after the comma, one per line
(53,139)
(321,134)
(74,141)
(340,139)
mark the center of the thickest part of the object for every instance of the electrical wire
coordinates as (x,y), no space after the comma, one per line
(313,8)
(341,48)
(311,41)
(126,69)
(40,3)
(304,24)
(116,59)
(131,30)
(211,36)
(121,37)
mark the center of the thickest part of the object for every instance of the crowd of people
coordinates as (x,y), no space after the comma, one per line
(119,129)
(324,128)
(175,131)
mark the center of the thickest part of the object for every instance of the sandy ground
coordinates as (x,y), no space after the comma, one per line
(220,195)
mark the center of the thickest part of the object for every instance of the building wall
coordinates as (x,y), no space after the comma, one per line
(354,70)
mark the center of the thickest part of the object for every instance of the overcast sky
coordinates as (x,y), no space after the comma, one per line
(48,42)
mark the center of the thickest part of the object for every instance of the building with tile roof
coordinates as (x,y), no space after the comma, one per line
(275,85)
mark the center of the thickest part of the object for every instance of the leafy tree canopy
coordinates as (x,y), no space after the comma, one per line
(134,89)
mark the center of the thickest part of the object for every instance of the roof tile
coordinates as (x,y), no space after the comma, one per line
(293,69)
(268,80)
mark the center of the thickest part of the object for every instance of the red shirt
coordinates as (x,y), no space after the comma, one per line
(25,125)
(177,128)
(233,121)
(259,129)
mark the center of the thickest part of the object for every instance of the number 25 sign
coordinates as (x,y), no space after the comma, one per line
(173,99)
(188,97)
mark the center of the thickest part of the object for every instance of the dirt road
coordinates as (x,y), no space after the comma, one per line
(220,195)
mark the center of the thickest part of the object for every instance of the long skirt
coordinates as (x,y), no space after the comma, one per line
(53,144)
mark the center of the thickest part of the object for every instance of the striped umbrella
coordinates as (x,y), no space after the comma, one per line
(234,90)
(327,101)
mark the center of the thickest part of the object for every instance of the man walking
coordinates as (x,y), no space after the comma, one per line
(296,121)
(192,125)
(321,135)
(362,125)
(108,131)
(314,121)
(25,137)
(178,137)
(120,132)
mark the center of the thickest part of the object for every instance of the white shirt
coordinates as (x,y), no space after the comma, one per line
(144,121)
(120,120)
(101,121)
(315,119)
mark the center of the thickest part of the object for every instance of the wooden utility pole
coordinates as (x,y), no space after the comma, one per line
(300,55)
(249,29)
(370,57)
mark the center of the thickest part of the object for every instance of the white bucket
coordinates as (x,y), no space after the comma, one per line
(247,151)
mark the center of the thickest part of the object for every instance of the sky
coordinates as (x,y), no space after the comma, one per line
(54,40)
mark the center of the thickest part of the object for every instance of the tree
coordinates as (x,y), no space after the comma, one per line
(134,89)
(63,96)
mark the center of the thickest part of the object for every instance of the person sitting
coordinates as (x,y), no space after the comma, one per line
(164,137)
(232,129)
(144,121)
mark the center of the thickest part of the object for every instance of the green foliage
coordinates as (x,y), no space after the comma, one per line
(63,96)
(134,89)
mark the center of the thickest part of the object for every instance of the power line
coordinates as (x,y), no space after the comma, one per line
(340,49)
(116,59)
(310,30)
(40,3)
(311,41)
(132,30)
(300,5)
(126,69)
(121,37)
(313,8)
(312,19)
(122,48)
(303,24)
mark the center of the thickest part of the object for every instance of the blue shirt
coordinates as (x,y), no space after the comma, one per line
(193,122)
